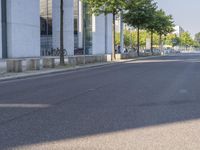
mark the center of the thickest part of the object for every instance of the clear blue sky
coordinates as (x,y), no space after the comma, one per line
(186,13)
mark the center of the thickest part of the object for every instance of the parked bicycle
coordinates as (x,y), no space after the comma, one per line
(56,52)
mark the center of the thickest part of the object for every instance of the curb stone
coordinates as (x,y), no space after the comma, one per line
(62,70)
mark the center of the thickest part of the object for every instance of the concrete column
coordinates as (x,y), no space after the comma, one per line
(68,25)
(102,34)
(3,29)
(23,28)
(0,32)
(80,26)
(98,29)
(109,33)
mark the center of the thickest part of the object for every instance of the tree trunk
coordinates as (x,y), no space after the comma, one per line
(106,34)
(160,42)
(62,59)
(152,42)
(121,33)
(113,34)
(131,40)
(138,41)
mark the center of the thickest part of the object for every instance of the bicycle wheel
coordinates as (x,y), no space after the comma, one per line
(65,52)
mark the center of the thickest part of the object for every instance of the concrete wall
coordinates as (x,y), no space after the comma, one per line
(68,25)
(0,33)
(23,27)
(109,33)
(80,26)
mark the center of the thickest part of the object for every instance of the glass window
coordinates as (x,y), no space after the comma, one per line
(76,17)
(87,20)
(45,26)
(46,17)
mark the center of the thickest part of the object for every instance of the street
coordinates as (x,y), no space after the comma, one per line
(148,104)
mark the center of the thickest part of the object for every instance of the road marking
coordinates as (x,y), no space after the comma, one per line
(24,105)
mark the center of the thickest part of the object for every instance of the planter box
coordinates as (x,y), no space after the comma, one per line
(14,65)
(48,62)
(33,64)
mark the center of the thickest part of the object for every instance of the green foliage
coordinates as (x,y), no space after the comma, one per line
(186,39)
(155,39)
(143,37)
(117,38)
(127,38)
(196,44)
(130,38)
(98,7)
(172,40)
(139,13)
(162,23)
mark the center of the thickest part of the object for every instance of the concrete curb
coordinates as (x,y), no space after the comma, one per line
(62,70)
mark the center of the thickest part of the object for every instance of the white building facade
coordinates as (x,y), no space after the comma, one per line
(178,30)
(20,28)
(31,28)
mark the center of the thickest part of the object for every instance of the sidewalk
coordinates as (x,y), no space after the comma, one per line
(8,76)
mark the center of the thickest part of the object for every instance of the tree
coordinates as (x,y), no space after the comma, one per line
(143,37)
(163,24)
(62,59)
(138,14)
(130,38)
(186,40)
(127,38)
(155,39)
(176,41)
(196,44)
(152,27)
(172,40)
(113,7)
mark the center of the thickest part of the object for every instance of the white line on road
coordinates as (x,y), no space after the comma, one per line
(24,105)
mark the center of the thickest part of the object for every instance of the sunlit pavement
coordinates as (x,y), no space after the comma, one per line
(178,136)
(149,104)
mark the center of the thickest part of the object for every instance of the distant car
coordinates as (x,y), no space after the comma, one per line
(147,51)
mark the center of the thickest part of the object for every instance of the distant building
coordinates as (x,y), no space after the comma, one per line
(30,28)
(178,30)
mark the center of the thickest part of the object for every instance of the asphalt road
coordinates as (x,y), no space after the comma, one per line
(151,104)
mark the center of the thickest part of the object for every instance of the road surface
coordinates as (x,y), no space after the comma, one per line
(151,104)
